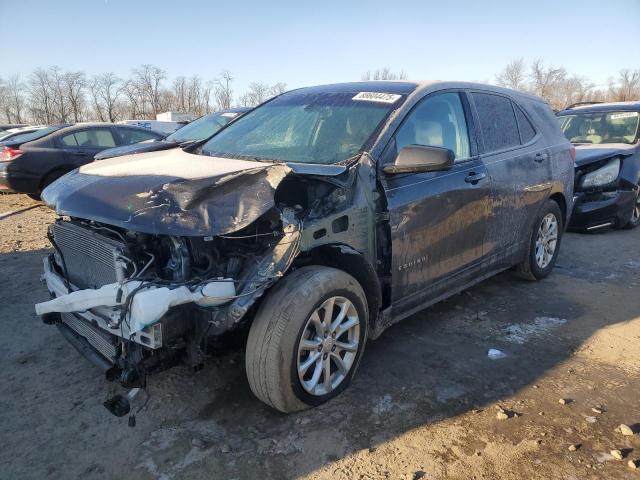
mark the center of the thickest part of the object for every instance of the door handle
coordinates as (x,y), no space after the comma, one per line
(540,157)
(80,153)
(473,178)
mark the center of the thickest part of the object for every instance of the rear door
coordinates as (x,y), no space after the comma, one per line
(518,162)
(81,145)
(437,219)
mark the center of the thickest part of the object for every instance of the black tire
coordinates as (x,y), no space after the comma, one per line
(529,269)
(634,221)
(34,196)
(48,180)
(271,356)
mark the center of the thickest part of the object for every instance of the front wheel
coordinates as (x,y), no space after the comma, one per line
(307,338)
(634,221)
(544,243)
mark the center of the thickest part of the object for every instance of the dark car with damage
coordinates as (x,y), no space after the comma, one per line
(607,180)
(198,130)
(313,222)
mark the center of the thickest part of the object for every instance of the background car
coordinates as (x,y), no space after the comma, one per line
(30,163)
(14,134)
(607,181)
(200,129)
(8,126)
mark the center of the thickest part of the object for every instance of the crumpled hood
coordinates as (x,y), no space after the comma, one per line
(169,192)
(586,154)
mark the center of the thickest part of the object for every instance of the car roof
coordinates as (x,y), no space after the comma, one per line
(406,87)
(69,128)
(234,110)
(603,107)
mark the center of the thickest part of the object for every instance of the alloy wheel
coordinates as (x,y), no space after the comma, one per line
(546,240)
(328,347)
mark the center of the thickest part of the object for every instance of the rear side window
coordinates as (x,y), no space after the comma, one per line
(130,135)
(527,131)
(99,137)
(497,122)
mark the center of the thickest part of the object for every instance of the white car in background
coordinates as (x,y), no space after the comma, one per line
(155,125)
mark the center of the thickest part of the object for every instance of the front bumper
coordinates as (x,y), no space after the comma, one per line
(601,209)
(94,323)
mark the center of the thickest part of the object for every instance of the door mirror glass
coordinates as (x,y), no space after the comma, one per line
(421,158)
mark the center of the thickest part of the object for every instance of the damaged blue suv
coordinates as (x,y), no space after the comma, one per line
(314,222)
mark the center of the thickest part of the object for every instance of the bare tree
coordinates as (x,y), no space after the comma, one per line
(513,75)
(59,97)
(148,80)
(105,90)
(180,94)
(384,73)
(545,81)
(258,92)
(135,102)
(12,100)
(278,89)
(222,92)
(626,87)
(75,84)
(41,97)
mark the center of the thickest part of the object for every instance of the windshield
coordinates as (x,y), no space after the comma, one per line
(27,137)
(601,127)
(305,127)
(202,127)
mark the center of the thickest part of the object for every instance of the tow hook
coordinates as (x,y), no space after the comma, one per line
(120,405)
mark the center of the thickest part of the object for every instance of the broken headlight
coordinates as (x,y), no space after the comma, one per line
(603,176)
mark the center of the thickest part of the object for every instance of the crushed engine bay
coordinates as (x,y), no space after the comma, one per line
(149,264)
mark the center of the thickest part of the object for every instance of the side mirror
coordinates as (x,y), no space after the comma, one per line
(421,158)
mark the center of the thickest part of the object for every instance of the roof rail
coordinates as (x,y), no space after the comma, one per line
(579,104)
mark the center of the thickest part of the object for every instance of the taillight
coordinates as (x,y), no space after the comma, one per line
(9,153)
(573,152)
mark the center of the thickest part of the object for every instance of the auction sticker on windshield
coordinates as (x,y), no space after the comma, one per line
(379,97)
(615,116)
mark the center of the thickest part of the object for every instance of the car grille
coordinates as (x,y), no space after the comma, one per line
(100,340)
(91,259)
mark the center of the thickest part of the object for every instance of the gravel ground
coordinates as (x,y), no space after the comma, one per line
(427,401)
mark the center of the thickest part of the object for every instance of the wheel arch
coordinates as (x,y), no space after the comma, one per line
(61,169)
(349,260)
(559,198)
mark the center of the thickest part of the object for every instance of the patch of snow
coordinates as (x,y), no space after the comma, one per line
(521,333)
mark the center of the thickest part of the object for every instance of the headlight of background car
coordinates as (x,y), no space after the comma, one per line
(602,176)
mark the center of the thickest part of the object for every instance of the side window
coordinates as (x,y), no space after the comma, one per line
(437,121)
(130,135)
(99,137)
(527,131)
(497,121)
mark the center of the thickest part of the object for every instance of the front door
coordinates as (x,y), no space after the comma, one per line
(437,219)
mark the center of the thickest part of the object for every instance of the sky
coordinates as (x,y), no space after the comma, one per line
(306,43)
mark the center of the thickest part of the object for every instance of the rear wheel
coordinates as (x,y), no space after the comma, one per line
(544,243)
(307,338)
(48,180)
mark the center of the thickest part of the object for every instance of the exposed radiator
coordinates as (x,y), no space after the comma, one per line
(98,339)
(91,258)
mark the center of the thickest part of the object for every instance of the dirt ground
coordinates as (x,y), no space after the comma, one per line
(423,405)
